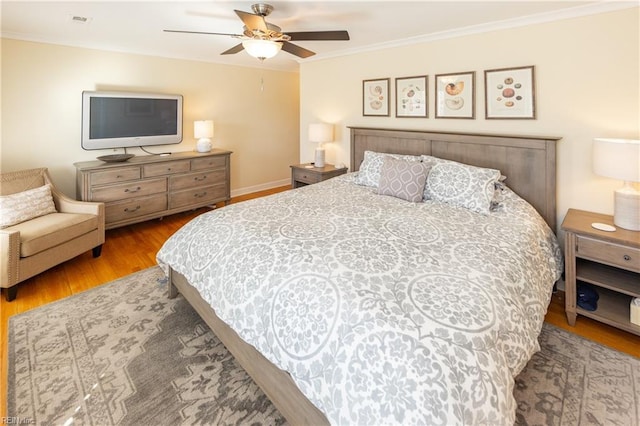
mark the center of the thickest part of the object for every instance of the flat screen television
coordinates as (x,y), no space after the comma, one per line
(126,119)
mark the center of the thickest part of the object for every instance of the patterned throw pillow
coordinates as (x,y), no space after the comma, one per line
(460,184)
(22,206)
(403,179)
(369,171)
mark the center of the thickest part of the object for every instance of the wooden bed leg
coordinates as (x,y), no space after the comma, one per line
(173,290)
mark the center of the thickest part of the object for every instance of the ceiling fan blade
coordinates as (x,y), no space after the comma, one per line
(252,22)
(201,32)
(319,35)
(294,49)
(235,49)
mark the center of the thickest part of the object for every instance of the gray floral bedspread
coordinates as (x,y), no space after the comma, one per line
(383,311)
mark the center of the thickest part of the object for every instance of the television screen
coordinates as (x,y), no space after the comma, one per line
(118,119)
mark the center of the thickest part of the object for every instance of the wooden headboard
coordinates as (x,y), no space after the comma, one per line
(528,162)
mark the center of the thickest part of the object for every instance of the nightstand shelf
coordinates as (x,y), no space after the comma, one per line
(609,261)
(613,309)
(603,275)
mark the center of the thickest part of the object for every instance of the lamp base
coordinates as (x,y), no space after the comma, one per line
(319,162)
(627,208)
(203,145)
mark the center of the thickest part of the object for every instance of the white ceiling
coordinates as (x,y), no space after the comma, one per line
(136,27)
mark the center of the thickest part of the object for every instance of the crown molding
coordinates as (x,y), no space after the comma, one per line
(570,13)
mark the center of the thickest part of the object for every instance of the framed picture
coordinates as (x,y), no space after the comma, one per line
(456,95)
(510,93)
(375,97)
(411,96)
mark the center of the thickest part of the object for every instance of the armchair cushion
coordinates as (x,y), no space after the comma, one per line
(25,205)
(50,230)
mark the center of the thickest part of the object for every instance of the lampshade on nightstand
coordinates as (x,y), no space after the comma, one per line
(319,133)
(620,159)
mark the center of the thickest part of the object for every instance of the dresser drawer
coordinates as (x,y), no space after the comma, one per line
(129,190)
(196,180)
(208,163)
(612,254)
(114,176)
(123,210)
(305,176)
(166,168)
(199,196)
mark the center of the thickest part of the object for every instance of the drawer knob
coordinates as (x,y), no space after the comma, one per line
(200,178)
(128,210)
(200,195)
(136,189)
(626,257)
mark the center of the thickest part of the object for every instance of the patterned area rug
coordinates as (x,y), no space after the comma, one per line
(124,354)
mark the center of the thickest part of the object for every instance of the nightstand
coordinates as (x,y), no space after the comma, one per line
(609,261)
(302,175)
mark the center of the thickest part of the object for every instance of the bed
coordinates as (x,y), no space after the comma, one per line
(350,307)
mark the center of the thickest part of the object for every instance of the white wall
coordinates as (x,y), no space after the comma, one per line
(42,88)
(587,78)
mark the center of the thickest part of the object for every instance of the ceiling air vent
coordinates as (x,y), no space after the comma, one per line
(77,19)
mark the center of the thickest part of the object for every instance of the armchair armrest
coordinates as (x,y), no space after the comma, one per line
(66,204)
(10,254)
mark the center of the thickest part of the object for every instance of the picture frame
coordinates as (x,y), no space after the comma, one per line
(375,97)
(456,95)
(412,96)
(510,93)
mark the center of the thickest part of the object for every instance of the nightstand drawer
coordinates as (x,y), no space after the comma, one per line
(624,257)
(305,176)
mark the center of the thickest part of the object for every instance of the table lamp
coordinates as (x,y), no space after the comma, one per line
(319,133)
(620,159)
(203,131)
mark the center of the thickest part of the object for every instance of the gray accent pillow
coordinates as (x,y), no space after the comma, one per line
(369,171)
(460,184)
(403,179)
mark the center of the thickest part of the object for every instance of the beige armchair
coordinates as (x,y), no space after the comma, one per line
(31,247)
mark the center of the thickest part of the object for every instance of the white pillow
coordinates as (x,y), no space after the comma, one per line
(460,184)
(369,171)
(22,206)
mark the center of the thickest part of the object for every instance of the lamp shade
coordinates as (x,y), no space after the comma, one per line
(203,129)
(262,49)
(320,132)
(617,158)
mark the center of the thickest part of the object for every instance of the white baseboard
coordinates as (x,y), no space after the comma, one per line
(261,187)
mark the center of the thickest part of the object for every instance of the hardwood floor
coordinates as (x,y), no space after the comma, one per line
(133,248)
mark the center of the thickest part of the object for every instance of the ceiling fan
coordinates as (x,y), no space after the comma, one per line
(263,40)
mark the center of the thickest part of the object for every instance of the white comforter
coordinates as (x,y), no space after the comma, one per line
(383,311)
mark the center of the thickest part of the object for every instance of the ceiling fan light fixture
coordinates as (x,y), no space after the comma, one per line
(262,49)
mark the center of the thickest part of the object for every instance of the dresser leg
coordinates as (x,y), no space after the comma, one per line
(571,318)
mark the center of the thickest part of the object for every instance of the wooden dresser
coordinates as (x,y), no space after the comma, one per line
(153,186)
